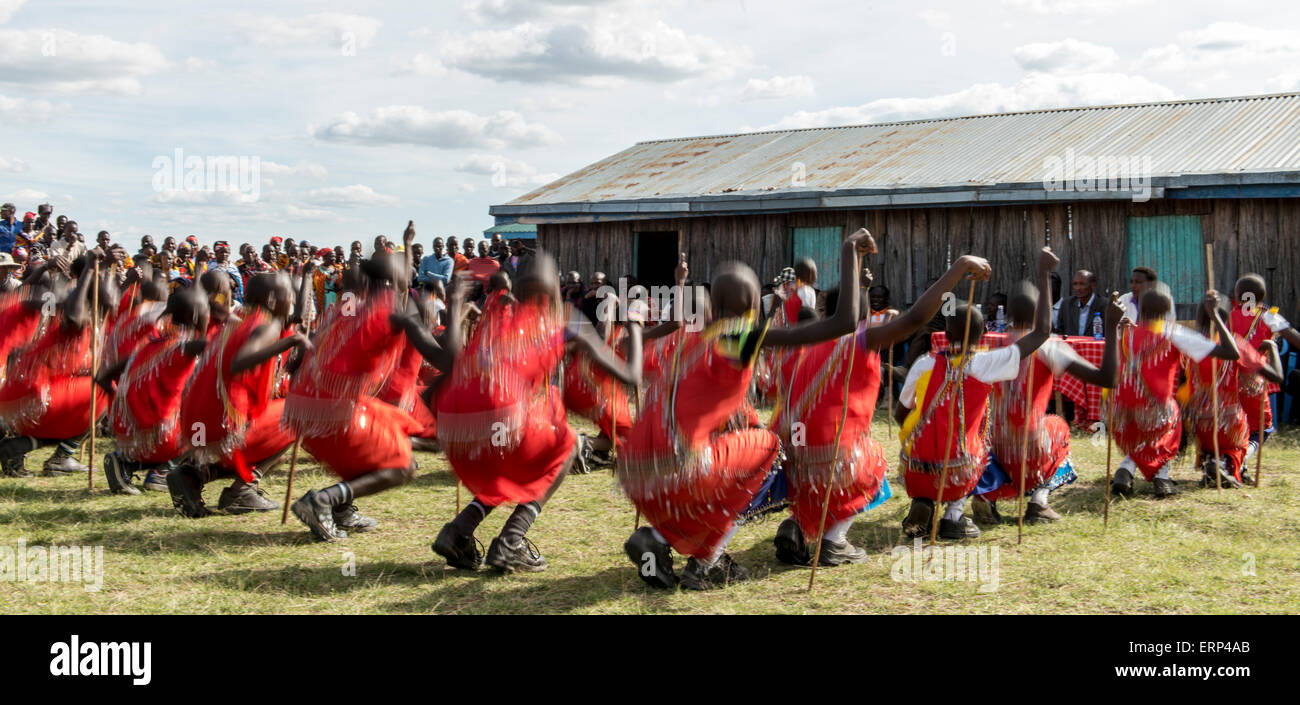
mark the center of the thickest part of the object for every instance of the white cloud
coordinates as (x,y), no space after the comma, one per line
(321,28)
(313,171)
(1073,7)
(194,63)
(1221,44)
(12,164)
(8,8)
(23,110)
(419,65)
(293,212)
(515,10)
(1067,56)
(1033,92)
(1284,83)
(420,32)
(349,197)
(777,87)
(76,63)
(547,104)
(604,48)
(25,195)
(505,172)
(937,19)
(213,197)
(448,129)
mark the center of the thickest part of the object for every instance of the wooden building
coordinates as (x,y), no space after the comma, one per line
(1108,188)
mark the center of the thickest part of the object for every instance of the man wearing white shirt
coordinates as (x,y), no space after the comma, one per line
(1140,281)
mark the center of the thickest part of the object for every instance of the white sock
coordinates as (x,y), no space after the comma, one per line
(722,545)
(952,512)
(658,536)
(1251,447)
(1126,468)
(1039,496)
(840,532)
(1164,471)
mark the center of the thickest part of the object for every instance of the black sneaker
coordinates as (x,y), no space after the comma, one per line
(1040,514)
(523,556)
(1210,468)
(1164,487)
(352,521)
(187,492)
(156,479)
(16,467)
(1122,486)
(460,551)
(985,513)
(115,472)
(840,553)
(958,529)
(582,459)
(601,459)
(919,518)
(790,545)
(61,465)
(242,498)
(318,516)
(721,574)
(653,559)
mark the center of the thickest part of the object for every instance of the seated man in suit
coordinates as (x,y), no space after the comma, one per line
(1077,311)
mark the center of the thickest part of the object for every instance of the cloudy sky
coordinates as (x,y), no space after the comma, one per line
(361,116)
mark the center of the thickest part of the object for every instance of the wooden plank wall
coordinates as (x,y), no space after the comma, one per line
(915,244)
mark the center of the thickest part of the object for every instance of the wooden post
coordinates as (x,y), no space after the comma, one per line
(1024,453)
(952,415)
(288,492)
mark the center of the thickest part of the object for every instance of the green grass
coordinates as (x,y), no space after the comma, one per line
(1190,554)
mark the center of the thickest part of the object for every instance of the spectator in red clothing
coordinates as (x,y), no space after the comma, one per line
(482,268)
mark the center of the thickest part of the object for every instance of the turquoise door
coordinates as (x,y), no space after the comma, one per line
(821,245)
(1171,245)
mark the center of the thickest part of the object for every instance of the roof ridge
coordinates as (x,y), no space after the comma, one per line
(1079,108)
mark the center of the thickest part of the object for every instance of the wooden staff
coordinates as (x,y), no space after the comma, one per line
(94,365)
(288,492)
(636,399)
(1110,420)
(889,394)
(952,415)
(1214,376)
(1259,450)
(1024,453)
(835,456)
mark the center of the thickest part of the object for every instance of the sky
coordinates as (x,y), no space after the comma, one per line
(339,121)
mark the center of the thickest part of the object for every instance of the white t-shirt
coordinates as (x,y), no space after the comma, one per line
(1131,308)
(1190,342)
(1275,322)
(1058,356)
(807,296)
(988,367)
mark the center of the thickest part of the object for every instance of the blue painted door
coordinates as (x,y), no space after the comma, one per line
(821,245)
(1171,245)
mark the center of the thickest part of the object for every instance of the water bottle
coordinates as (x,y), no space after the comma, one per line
(1096,326)
(1002,320)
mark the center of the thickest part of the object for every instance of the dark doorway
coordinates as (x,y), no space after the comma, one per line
(655,258)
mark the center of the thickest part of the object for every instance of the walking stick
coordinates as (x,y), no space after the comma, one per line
(889,394)
(1214,379)
(952,416)
(835,456)
(1110,420)
(1259,451)
(94,366)
(636,399)
(1024,453)
(288,492)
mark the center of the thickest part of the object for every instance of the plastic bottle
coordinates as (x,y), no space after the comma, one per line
(1002,320)
(1097,326)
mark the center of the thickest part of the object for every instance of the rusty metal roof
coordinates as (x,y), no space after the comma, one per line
(942,161)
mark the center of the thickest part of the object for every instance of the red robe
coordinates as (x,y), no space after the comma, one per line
(815,398)
(332,402)
(593,393)
(1146,423)
(926,448)
(1253,390)
(46,392)
(1049,435)
(1232,426)
(692,463)
(19,326)
(146,411)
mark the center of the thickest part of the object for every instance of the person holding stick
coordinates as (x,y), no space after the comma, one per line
(1255,323)
(1045,465)
(809,420)
(47,389)
(1231,425)
(694,464)
(956,385)
(1146,422)
(230,415)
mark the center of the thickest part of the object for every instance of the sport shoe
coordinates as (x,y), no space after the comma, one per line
(62,464)
(460,551)
(156,479)
(241,498)
(523,556)
(119,481)
(919,518)
(653,559)
(958,529)
(582,459)
(16,467)
(723,573)
(353,521)
(840,553)
(1164,487)
(601,459)
(986,513)
(1122,485)
(1040,514)
(187,492)
(1209,469)
(790,545)
(318,516)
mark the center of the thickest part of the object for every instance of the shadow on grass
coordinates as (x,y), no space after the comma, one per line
(464,592)
(113,515)
(198,540)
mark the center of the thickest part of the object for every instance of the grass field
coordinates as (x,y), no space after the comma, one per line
(1201,552)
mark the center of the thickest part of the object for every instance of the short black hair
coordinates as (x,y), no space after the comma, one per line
(1147,272)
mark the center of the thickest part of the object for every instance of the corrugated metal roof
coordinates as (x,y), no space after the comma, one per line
(512,228)
(1220,136)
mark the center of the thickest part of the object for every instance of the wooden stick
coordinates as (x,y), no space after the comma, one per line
(1024,453)
(835,457)
(889,394)
(1110,421)
(1214,377)
(952,416)
(94,366)
(288,492)
(1259,449)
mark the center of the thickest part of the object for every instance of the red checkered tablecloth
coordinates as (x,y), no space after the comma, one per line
(1086,397)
